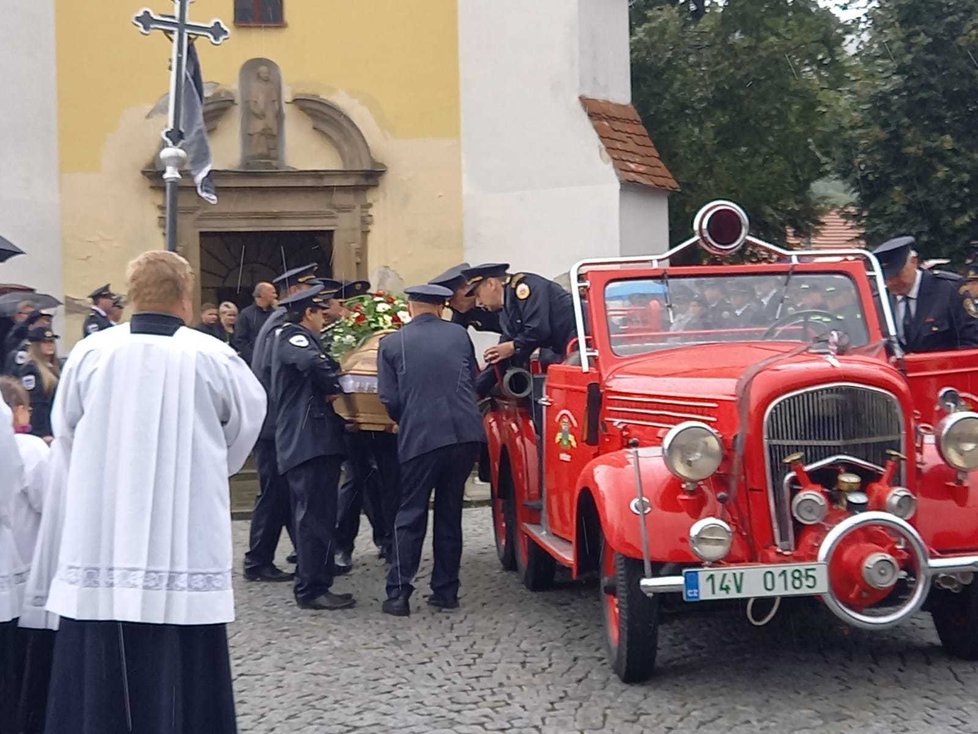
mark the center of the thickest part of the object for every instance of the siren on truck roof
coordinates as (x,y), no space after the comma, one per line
(721,227)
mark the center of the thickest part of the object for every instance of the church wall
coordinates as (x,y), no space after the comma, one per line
(538,188)
(392,67)
(29,148)
(644,220)
(606,65)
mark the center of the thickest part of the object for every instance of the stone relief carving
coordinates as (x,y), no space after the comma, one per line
(261,114)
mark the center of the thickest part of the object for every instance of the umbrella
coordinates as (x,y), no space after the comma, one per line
(9,301)
(8,249)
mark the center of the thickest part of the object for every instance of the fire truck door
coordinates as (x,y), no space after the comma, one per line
(928,372)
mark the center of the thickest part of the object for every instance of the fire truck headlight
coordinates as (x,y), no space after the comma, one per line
(901,502)
(957,440)
(710,538)
(692,451)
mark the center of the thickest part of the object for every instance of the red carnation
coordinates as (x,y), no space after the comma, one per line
(360,318)
(390,299)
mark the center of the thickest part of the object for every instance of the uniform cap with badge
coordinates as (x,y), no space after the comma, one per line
(312,297)
(428,293)
(351,289)
(453,278)
(41,334)
(301,274)
(893,255)
(476,275)
(104,291)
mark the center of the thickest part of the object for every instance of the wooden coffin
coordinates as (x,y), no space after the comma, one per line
(359,402)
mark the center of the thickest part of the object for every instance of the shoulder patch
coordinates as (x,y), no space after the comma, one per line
(299,340)
(522,291)
(29,382)
(970,307)
(91,328)
(20,357)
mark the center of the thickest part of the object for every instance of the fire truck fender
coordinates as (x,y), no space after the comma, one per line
(610,481)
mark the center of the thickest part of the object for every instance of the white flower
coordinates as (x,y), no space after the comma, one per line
(386,322)
(349,339)
(404,316)
(383,307)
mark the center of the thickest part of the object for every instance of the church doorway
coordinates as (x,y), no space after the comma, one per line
(233,263)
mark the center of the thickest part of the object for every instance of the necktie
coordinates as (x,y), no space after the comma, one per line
(907,317)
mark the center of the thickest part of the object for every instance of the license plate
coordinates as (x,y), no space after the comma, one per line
(744,582)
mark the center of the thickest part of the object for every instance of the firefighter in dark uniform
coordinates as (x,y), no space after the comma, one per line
(931,311)
(464,311)
(309,443)
(17,341)
(371,481)
(426,377)
(98,315)
(42,391)
(273,510)
(536,314)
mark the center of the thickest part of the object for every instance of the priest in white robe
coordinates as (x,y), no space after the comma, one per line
(155,416)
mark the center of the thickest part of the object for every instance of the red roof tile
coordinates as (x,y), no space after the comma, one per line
(835,231)
(628,143)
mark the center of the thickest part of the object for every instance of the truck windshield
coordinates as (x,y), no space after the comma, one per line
(649,314)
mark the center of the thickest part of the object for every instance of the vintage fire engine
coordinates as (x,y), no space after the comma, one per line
(690,448)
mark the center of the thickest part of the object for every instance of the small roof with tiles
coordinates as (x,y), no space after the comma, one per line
(835,231)
(632,151)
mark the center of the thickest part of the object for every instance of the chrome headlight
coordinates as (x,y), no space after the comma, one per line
(710,538)
(957,440)
(809,507)
(692,451)
(901,502)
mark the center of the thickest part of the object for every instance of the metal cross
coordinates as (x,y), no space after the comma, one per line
(172,156)
(181,28)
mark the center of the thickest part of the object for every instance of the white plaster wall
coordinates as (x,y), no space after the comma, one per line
(644,220)
(538,189)
(29,201)
(605,62)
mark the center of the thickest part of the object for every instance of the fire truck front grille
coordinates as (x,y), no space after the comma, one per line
(822,422)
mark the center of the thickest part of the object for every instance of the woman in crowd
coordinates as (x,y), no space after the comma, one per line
(228,314)
(39,375)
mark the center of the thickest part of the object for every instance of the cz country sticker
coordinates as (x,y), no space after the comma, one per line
(565,424)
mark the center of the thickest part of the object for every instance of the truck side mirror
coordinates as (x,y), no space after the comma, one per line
(592,414)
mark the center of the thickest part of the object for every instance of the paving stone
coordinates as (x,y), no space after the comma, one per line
(512,660)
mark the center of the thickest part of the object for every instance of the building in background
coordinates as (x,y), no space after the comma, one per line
(387,136)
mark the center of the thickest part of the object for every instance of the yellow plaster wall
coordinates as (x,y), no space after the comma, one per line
(391,65)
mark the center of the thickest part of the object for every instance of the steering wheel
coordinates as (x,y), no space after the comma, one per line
(815,329)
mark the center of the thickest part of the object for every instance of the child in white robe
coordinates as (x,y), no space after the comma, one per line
(36,645)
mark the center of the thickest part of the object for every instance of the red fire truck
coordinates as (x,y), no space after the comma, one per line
(742,431)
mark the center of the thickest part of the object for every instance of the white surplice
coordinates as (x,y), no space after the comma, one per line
(148,428)
(13,569)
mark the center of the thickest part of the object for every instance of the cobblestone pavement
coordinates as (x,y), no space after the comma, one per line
(512,660)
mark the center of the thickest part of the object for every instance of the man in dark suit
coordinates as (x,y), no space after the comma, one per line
(931,310)
(426,375)
(464,310)
(309,443)
(252,318)
(98,315)
(273,508)
(536,314)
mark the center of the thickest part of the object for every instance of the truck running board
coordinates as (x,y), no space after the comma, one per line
(557,547)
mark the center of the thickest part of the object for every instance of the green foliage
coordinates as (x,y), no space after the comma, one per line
(911,148)
(742,104)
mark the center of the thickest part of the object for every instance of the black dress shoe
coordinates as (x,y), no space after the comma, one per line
(328,601)
(292,558)
(397,607)
(341,570)
(437,601)
(343,559)
(267,573)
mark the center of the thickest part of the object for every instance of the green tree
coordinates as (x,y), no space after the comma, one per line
(911,152)
(742,104)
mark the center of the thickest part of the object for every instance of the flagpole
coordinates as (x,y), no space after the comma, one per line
(172,159)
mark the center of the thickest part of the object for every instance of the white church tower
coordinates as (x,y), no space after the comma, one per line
(556,164)
(29,178)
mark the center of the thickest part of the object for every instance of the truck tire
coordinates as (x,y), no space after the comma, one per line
(503,526)
(535,566)
(956,619)
(631,619)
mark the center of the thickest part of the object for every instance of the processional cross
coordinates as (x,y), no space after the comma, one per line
(180,29)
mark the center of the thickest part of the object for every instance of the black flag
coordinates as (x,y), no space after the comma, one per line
(195,132)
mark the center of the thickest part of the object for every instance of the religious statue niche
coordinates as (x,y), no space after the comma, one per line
(262,117)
